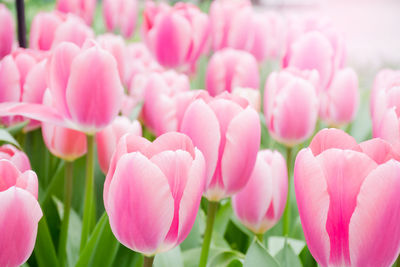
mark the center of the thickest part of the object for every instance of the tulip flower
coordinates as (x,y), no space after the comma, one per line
(43,28)
(17,157)
(83,8)
(177,36)
(74,30)
(108,138)
(153,190)
(116,46)
(229,68)
(19,214)
(252,96)
(120,14)
(339,102)
(384,80)
(339,187)
(260,204)
(291,106)
(6,31)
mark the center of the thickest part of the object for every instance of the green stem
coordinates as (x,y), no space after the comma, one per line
(212,211)
(148,261)
(397,263)
(88,219)
(68,183)
(260,237)
(286,214)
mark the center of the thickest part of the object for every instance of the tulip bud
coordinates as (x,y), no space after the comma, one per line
(120,14)
(6,31)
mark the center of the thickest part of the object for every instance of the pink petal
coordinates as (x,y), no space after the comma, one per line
(171,141)
(140,204)
(9,80)
(8,174)
(28,181)
(331,138)
(379,150)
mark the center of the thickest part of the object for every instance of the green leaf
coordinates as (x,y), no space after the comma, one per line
(277,243)
(127,258)
(101,248)
(223,215)
(194,239)
(226,258)
(17,128)
(257,255)
(172,257)
(45,252)
(191,257)
(287,257)
(56,184)
(6,137)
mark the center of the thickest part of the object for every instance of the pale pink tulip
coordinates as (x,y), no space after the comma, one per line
(120,14)
(291,106)
(177,36)
(153,190)
(16,156)
(339,102)
(43,28)
(348,200)
(6,31)
(108,138)
(78,102)
(19,214)
(73,30)
(260,204)
(385,80)
(83,8)
(228,134)
(229,68)
(252,96)
(116,46)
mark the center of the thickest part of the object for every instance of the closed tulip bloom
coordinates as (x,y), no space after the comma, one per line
(260,204)
(6,31)
(121,15)
(116,46)
(177,36)
(252,96)
(339,187)
(339,102)
(73,30)
(16,156)
(83,8)
(43,28)
(107,139)
(290,106)
(153,190)
(19,214)
(229,68)
(228,134)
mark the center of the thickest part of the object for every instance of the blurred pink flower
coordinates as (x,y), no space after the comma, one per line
(83,8)
(6,31)
(120,14)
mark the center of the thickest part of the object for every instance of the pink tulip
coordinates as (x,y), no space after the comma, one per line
(78,102)
(348,200)
(120,14)
(43,28)
(17,157)
(339,102)
(228,134)
(177,36)
(6,31)
(153,190)
(229,68)
(73,30)
(19,214)
(260,204)
(83,8)
(108,138)
(291,106)
(252,96)
(116,46)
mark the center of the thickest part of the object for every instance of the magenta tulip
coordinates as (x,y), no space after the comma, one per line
(153,190)
(120,14)
(17,157)
(291,106)
(177,36)
(339,102)
(6,31)
(108,138)
(347,195)
(43,28)
(83,8)
(260,204)
(229,68)
(228,134)
(19,214)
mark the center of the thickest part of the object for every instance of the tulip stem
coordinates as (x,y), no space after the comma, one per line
(260,237)
(212,211)
(286,215)
(148,261)
(68,182)
(89,194)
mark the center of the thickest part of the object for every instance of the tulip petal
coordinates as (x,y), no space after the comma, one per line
(374,226)
(9,80)
(28,181)
(8,174)
(331,138)
(140,204)
(379,150)
(171,141)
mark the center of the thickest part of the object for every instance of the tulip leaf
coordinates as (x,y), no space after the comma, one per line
(222,217)
(102,246)
(287,257)
(194,239)
(17,128)
(45,252)
(257,255)
(6,137)
(191,257)
(172,257)
(227,258)
(277,243)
